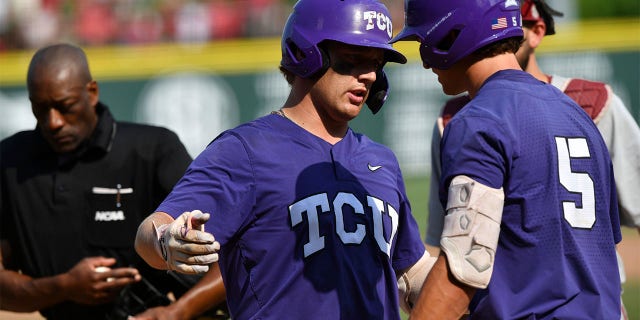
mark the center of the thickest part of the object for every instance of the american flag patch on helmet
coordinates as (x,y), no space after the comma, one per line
(499,23)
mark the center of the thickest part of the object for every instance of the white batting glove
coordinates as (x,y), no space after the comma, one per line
(184,244)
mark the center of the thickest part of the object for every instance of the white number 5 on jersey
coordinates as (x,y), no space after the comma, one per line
(576,182)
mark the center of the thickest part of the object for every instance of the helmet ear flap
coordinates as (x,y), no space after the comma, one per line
(379,92)
(317,53)
(303,62)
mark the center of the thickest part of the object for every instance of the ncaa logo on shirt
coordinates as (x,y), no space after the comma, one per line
(109,215)
(117,192)
(378,20)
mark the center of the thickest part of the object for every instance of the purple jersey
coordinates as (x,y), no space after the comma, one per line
(556,254)
(308,229)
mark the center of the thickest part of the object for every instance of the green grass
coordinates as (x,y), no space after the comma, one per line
(418,193)
(631,298)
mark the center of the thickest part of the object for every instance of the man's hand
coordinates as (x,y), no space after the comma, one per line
(184,244)
(89,282)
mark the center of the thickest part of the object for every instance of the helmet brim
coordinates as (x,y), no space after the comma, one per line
(395,56)
(390,54)
(407,34)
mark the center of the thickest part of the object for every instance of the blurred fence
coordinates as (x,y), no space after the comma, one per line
(200,90)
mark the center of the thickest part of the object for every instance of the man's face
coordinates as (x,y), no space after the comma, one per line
(344,87)
(64,107)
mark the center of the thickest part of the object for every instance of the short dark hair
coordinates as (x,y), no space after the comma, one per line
(57,56)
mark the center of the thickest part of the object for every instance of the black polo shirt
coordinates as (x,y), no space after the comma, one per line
(58,209)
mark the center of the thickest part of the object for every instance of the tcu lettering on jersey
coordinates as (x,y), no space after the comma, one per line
(382,21)
(311,204)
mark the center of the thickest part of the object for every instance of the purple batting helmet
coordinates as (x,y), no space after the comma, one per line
(364,23)
(475,23)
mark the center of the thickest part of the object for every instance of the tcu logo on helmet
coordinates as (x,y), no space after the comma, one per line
(382,21)
(510,3)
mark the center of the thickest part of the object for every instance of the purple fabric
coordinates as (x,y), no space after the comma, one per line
(521,134)
(304,226)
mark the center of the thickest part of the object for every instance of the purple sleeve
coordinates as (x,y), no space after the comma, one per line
(476,149)
(219,181)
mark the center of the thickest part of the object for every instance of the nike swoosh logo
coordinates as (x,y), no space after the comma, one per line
(373,168)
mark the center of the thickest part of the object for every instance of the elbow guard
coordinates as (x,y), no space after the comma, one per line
(410,282)
(471,230)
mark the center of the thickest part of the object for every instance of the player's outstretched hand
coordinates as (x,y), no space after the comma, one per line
(91,281)
(185,246)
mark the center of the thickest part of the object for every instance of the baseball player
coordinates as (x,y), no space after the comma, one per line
(311,218)
(596,98)
(531,213)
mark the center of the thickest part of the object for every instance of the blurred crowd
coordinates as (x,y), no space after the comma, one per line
(28,24)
